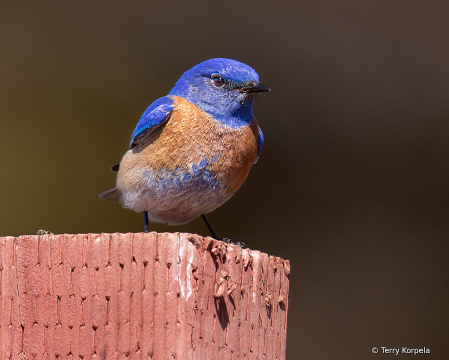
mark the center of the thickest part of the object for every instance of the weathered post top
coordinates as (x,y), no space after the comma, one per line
(145,296)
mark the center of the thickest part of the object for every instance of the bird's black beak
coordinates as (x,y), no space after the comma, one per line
(254,88)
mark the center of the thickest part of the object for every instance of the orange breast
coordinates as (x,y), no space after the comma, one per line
(192,156)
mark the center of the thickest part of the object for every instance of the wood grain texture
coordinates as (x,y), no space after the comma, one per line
(140,296)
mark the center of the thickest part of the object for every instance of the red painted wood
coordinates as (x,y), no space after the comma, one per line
(140,296)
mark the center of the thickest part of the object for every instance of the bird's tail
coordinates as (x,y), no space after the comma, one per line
(111,195)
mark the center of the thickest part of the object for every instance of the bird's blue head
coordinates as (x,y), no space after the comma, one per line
(223,88)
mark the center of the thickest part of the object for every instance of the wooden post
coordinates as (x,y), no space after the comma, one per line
(140,296)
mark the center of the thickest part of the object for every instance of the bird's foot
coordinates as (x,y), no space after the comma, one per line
(226,240)
(230,242)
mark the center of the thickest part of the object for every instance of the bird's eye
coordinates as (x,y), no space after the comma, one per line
(218,80)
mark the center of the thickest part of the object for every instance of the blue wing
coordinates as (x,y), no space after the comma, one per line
(154,116)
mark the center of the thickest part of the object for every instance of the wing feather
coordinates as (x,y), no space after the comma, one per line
(154,116)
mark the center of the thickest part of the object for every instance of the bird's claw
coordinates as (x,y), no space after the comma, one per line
(230,242)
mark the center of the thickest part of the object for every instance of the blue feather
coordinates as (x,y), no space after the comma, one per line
(154,116)
(225,104)
(260,143)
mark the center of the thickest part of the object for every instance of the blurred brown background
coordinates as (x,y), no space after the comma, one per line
(352,183)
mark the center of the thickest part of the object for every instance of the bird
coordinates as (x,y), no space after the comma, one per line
(193,148)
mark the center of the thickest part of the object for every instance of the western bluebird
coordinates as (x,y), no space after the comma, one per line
(192,149)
